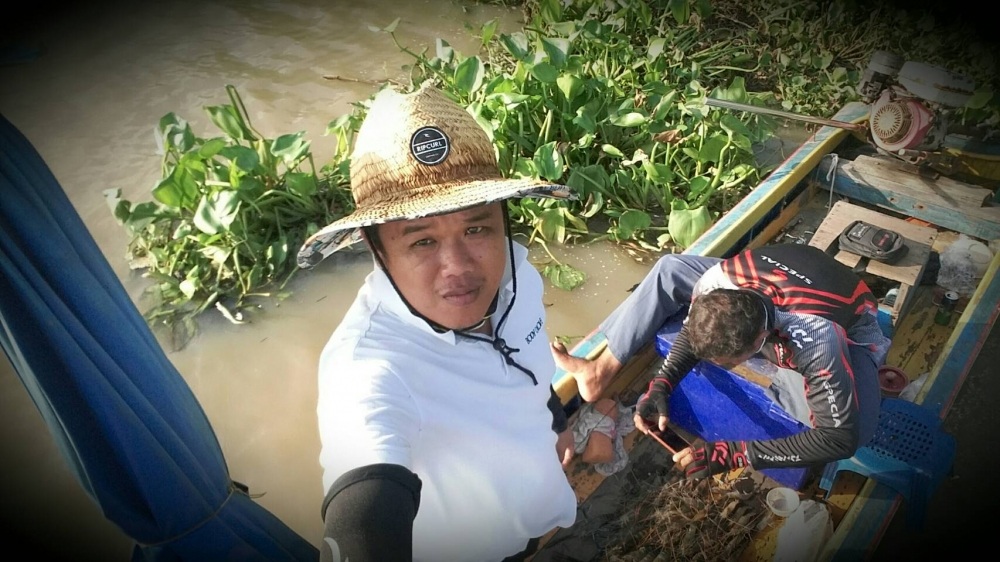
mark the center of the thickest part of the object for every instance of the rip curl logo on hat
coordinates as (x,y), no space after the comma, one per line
(429,145)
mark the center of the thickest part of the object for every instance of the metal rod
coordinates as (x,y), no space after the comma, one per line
(859,127)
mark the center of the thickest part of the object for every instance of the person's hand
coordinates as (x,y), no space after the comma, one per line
(707,459)
(652,411)
(565,446)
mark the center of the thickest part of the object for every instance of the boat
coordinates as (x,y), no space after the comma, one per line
(829,179)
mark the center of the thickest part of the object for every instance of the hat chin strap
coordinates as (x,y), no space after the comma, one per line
(497,342)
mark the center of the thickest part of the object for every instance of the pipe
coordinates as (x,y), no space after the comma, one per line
(858,127)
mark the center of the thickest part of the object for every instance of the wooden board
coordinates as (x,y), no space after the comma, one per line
(918,238)
(907,271)
(938,189)
(947,203)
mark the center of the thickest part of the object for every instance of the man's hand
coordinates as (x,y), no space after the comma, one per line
(707,459)
(565,446)
(652,410)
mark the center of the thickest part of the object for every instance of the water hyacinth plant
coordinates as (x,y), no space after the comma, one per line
(227,217)
(609,99)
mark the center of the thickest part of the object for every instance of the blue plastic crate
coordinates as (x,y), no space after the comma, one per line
(716,405)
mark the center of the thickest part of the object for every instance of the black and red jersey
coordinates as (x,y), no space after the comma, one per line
(820,308)
(802,279)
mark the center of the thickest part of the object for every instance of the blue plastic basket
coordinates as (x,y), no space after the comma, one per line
(909,453)
(716,404)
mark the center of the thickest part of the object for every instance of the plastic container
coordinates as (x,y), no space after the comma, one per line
(718,405)
(963,264)
(782,501)
(892,381)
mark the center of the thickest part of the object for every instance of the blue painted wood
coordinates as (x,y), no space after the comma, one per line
(979,225)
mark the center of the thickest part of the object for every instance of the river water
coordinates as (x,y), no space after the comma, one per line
(89,102)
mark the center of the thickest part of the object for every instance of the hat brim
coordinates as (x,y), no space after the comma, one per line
(431,201)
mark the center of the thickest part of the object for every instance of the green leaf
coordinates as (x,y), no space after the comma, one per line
(588,180)
(711,150)
(655,48)
(290,148)
(680,10)
(277,253)
(980,98)
(246,159)
(487,31)
(585,119)
(178,189)
(660,174)
(226,119)
(564,276)
(612,150)
(211,148)
(544,72)
(697,185)
(552,225)
(217,254)
(703,8)
(548,161)
(444,50)
(216,212)
(557,50)
(120,209)
(570,85)
(175,133)
(517,45)
(631,119)
(664,106)
(686,225)
(392,26)
(301,184)
(188,287)
(525,168)
(632,222)
(469,75)
(550,10)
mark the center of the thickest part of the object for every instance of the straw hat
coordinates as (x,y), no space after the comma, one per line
(416,155)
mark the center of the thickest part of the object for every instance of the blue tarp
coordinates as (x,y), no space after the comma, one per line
(124,419)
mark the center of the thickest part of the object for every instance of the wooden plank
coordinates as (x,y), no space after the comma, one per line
(942,190)
(918,341)
(918,238)
(982,222)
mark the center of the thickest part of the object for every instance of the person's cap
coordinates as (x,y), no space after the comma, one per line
(417,155)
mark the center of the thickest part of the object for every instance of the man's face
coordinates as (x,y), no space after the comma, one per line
(448,267)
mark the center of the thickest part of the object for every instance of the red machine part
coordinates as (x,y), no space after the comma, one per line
(900,122)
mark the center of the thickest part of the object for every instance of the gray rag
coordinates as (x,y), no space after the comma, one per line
(588,419)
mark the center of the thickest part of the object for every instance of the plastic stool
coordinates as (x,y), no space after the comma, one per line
(909,453)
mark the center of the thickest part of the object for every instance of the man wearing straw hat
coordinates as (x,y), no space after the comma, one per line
(442,438)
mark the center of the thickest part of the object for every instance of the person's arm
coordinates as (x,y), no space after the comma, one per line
(680,360)
(369,514)
(829,386)
(652,410)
